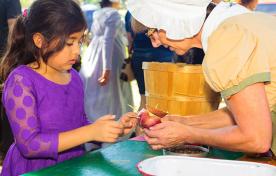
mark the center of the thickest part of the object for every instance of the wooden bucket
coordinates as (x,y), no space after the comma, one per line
(178,88)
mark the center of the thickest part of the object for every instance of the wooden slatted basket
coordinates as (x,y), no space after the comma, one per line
(178,88)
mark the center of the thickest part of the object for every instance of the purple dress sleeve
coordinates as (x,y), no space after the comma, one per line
(21,107)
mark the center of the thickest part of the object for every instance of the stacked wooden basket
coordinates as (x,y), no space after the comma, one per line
(178,88)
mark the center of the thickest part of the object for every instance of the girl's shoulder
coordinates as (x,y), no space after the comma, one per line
(21,70)
(19,79)
(26,74)
(21,73)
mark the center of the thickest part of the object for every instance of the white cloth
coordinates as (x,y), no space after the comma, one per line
(221,12)
(105,52)
(179,18)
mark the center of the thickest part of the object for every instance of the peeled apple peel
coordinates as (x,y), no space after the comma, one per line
(156,111)
(146,120)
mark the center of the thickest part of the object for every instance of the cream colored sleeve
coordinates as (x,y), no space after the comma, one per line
(235,59)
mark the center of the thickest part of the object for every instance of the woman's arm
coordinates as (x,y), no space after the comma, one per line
(252,132)
(216,119)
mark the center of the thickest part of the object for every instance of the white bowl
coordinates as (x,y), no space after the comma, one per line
(191,166)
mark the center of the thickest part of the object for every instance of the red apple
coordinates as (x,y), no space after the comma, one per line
(146,120)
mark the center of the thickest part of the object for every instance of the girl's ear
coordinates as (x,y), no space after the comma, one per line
(38,40)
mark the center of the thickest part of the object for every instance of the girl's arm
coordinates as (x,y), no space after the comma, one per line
(105,129)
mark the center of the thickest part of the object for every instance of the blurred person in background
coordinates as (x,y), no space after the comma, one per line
(105,92)
(9,10)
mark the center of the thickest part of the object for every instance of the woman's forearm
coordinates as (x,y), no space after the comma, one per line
(217,119)
(253,129)
(231,138)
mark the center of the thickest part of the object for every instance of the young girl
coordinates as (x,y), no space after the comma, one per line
(43,95)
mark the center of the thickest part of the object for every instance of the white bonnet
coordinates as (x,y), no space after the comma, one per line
(179,18)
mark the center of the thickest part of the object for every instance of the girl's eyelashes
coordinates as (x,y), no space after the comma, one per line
(69,43)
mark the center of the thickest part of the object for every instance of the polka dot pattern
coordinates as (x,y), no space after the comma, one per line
(31,122)
(35,145)
(20,113)
(25,134)
(19,106)
(17,91)
(28,101)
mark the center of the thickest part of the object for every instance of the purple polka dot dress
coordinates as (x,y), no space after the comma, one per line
(38,110)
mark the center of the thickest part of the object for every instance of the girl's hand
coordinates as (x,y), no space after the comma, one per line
(129,122)
(106,129)
(103,80)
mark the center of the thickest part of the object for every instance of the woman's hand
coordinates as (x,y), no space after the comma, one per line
(129,122)
(103,80)
(166,134)
(106,129)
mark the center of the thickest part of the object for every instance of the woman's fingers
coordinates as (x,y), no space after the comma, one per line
(154,143)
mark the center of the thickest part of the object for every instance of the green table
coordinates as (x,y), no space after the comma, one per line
(117,160)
